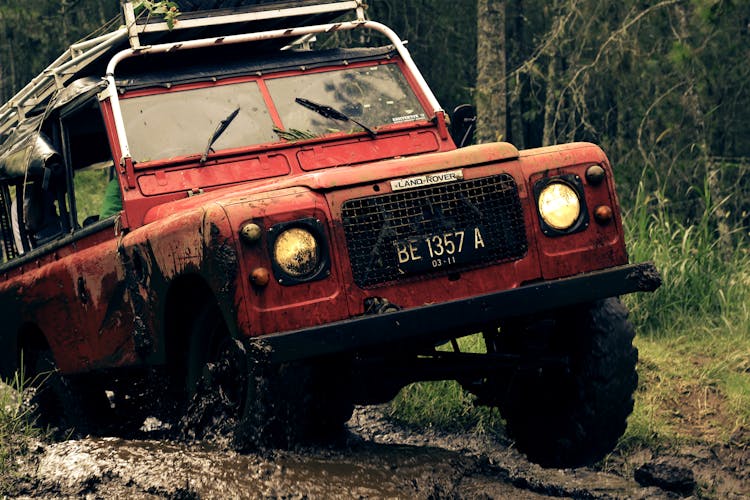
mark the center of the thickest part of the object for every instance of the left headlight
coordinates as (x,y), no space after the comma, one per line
(297,252)
(559,205)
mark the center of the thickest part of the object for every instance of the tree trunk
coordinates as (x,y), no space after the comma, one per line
(64,21)
(3,70)
(549,134)
(490,89)
(516,117)
(8,62)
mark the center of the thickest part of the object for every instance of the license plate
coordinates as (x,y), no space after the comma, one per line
(440,250)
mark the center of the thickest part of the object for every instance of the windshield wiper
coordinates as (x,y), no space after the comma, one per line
(220,128)
(332,113)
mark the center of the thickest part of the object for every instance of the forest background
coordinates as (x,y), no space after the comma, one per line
(662,86)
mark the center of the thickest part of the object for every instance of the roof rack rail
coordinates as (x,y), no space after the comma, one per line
(247,13)
(54,78)
(74,61)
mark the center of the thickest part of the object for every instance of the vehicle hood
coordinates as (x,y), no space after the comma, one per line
(339,177)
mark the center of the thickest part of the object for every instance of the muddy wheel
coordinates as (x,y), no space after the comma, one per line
(571,417)
(216,379)
(66,406)
(236,391)
(295,403)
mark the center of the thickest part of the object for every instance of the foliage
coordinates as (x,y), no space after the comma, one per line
(293,134)
(700,316)
(444,404)
(702,279)
(90,186)
(658,84)
(15,425)
(167,10)
(35,32)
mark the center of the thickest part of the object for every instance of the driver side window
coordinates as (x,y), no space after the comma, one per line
(95,191)
(33,205)
(56,179)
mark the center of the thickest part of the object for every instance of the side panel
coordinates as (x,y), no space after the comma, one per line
(277,307)
(599,245)
(74,295)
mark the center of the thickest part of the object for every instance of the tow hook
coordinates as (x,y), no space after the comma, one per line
(379,305)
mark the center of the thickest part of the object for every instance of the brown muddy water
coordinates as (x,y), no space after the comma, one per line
(373,459)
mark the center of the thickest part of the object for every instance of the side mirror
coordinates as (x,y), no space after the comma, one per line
(463,125)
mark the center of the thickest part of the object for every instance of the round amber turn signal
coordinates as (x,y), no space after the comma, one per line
(603,214)
(260,276)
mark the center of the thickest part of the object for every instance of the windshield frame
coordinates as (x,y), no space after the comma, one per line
(272,109)
(120,141)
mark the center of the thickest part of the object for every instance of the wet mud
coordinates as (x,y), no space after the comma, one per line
(372,459)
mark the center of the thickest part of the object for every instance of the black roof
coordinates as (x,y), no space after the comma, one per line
(167,70)
(198,9)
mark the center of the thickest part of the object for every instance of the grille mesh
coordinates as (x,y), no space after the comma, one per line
(373,224)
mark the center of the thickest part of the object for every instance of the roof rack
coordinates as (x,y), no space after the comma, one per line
(80,56)
(55,77)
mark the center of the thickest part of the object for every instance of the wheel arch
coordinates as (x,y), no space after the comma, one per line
(30,340)
(186,297)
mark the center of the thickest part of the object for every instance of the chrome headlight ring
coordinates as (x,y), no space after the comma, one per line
(299,251)
(561,205)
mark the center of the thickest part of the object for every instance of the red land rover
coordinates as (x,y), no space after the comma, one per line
(218,212)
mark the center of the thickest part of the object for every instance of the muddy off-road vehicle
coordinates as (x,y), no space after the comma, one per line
(221,217)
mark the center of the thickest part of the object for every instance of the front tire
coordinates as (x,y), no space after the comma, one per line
(216,378)
(572,417)
(66,406)
(235,390)
(294,403)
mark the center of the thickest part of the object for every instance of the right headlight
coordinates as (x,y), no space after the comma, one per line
(296,252)
(299,251)
(559,205)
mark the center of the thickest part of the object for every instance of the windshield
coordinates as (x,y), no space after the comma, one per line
(182,122)
(374,96)
(164,126)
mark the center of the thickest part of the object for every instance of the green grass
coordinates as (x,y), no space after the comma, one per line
(693,338)
(704,278)
(89,188)
(694,331)
(15,426)
(444,404)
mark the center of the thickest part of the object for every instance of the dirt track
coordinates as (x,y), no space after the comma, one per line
(373,460)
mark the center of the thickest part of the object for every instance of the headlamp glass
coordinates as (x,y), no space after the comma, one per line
(297,253)
(559,205)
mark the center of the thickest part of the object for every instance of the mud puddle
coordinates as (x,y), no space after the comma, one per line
(374,459)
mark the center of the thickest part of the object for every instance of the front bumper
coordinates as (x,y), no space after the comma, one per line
(437,321)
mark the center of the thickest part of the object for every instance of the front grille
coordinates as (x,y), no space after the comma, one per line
(372,225)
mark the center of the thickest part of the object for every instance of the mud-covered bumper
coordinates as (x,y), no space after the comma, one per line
(437,321)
